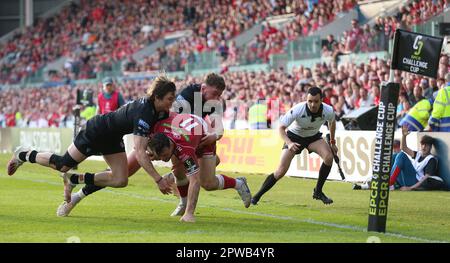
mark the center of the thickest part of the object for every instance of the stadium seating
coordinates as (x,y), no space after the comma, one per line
(93,50)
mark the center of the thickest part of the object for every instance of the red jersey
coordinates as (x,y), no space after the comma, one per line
(186,131)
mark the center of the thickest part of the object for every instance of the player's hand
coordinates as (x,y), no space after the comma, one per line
(294,147)
(207,140)
(164,186)
(405,130)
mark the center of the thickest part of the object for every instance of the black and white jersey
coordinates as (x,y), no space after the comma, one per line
(299,119)
(188,101)
(137,117)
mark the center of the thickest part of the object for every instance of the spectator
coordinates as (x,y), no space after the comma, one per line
(427,89)
(419,172)
(409,87)
(418,115)
(257,115)
(109,99)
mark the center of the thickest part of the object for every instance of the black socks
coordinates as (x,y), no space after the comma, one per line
(89,189)
(31,156)
(323,175)
(266,186)
(86,178)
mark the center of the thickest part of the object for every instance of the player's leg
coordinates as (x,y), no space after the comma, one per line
(211,181)
(271,179)
(113,150)
(65,208)
(61,163)
(117,177)
(133,164)
(403,172)
(192,197)
(217,160)
(323,150)
(182,184)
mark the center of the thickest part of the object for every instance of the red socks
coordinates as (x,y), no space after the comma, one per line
(394,176)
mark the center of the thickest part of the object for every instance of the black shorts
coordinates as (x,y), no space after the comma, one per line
(303,141)
(90,143)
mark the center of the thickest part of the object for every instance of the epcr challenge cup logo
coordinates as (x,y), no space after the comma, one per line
(417,46)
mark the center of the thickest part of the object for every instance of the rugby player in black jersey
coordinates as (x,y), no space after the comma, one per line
(103,135)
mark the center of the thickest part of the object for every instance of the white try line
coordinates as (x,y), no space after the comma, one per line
(236,211)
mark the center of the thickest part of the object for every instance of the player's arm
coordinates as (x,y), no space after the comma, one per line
(216,133)
(140,137)
(193,193)
(192,168)
(219,130)
(285,121)
(140,145)
(293,146)
(332,129)
(404,146)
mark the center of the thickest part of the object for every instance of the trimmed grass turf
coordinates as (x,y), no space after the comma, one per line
(140,213)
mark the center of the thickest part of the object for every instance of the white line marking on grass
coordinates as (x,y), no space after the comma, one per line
(236,211)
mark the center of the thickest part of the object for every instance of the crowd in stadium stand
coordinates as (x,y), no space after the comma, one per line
(376,37)
(213,30)
(88,35)
(307,20)
(309,17)
(346,87)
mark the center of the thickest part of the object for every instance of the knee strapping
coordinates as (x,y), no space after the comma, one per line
(65,160)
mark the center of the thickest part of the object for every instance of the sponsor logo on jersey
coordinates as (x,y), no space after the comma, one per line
(143,124)
(190,165)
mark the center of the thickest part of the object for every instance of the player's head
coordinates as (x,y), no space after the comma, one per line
(213,87)
(314,99)
(426,143)
(108,85)
(161,147)
(162,93)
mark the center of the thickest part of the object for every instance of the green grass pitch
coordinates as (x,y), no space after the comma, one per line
(140,213)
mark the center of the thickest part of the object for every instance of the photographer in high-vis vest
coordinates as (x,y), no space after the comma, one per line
(257,116)
(416,170)
(109,99)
